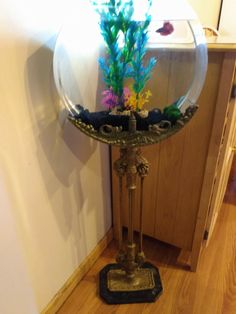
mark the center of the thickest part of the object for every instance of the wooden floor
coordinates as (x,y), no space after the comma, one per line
(212,290)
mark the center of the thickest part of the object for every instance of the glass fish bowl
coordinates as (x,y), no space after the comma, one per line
(130,74)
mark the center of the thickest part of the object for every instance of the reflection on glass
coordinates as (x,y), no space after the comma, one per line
(117,63)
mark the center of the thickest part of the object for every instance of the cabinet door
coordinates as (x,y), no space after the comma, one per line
(172,190)
(223,166)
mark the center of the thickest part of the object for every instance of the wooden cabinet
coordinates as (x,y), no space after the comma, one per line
(189,171)
(223,167)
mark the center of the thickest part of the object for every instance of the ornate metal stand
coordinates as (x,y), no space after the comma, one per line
(131,164)
(131,280)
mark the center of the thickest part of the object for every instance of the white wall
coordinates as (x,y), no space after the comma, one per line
(55,195)
(54,183)
(16,294)
(207,11)
(227,21)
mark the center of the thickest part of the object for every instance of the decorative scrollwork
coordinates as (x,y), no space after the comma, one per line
(120,165)
(190,111)
(140,258)
(142,165)
(165,124)
(109,130)
(116,136)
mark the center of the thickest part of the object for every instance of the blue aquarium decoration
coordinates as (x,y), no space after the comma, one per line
(126,41)
(126,68)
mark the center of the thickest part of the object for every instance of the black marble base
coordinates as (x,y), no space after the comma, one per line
(126,297)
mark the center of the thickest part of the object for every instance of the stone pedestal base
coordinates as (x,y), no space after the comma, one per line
(115,288)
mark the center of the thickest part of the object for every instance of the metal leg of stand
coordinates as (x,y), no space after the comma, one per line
(119,223)
(141,218)
(130,280)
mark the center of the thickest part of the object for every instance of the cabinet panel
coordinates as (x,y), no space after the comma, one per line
(223,167)
(168,177)
(179,187)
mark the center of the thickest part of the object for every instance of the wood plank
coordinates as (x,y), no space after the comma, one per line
(178,200)
(160,78)
(197,139)
(170,162)
(151,153)
(171,155)
(181,74)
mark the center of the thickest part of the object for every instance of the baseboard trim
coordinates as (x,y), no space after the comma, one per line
(79,273)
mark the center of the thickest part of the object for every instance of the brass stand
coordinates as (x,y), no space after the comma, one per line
(131,164)
(131,280)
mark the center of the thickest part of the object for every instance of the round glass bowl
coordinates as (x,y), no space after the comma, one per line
(150,103)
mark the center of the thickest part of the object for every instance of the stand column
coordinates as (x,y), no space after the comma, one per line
(132,279)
